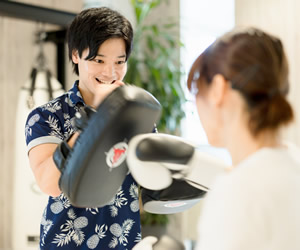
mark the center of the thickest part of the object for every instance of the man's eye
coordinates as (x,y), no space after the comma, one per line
(98,61)
(120,62)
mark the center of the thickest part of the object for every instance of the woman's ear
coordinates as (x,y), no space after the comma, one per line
(218,89)
(75,56)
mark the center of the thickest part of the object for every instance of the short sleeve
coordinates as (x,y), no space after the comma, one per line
(43,126)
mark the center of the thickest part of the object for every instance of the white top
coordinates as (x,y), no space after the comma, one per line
(255,206)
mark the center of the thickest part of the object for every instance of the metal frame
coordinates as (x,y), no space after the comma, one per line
(35,13)
(45,15)
(59,38)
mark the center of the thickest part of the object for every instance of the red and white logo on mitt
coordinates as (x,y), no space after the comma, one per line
(116,155)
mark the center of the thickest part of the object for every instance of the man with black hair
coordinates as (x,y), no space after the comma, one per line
(99,41)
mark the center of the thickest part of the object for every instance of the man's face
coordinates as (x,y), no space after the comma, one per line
(108,66)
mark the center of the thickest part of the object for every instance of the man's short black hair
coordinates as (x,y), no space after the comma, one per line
(92,27)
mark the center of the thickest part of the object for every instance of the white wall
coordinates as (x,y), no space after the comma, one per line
(281,18)
(201,23)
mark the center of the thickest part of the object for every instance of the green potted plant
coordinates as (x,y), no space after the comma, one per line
(154,66)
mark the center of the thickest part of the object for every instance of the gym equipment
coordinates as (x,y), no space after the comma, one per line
(173,173)
(94,170)
(29,201)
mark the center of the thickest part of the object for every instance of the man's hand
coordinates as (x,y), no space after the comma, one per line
(103,90)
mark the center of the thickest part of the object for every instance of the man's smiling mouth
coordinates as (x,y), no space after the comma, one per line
(105,82)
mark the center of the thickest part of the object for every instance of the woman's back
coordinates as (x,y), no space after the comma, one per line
(255,206)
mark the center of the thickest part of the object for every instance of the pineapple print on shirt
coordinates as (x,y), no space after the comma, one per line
(120,233)
(71,230)
(93,241)
(114,226)
(134,205)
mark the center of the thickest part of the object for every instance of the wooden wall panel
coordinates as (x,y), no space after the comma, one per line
(17,54)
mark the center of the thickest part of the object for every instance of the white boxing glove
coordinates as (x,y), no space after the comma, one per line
(154,160)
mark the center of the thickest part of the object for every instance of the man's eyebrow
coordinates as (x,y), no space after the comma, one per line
(122,56)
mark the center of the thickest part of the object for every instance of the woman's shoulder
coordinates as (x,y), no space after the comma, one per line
(268,169)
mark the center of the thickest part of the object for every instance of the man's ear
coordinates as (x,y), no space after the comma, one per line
(218,89)
(75,56)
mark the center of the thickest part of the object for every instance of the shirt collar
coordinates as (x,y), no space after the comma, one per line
(75,95)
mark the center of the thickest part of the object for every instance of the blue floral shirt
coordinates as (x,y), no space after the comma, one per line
(114,226)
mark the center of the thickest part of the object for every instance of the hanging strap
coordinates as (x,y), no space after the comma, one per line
(32,88)
(30,100)
(48,76)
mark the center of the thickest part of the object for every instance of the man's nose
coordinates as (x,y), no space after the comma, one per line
(109,70)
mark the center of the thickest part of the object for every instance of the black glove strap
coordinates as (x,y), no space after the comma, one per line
(60,155)
(82,117)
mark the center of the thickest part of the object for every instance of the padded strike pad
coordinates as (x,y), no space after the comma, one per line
(176,198)
(96,167)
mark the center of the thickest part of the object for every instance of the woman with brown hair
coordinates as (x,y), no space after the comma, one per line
(240,84)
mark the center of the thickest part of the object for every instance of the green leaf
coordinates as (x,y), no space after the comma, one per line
(154,64)
(155,29)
